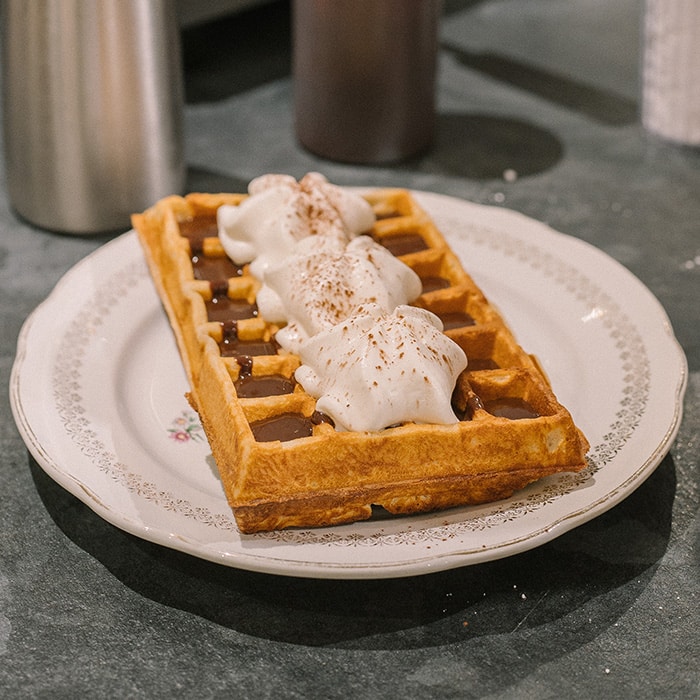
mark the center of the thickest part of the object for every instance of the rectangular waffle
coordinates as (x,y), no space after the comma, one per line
(512,430)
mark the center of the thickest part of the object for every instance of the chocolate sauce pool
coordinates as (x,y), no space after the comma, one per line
(233,346)
(250,386)
(197,228)
(214,267)
(207,267)
(456,319)
(432,283)
(287,426)
(403,243)
(222,308)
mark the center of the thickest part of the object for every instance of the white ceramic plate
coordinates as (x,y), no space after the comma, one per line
(97,392)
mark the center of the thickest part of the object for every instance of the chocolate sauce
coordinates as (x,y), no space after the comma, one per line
(199,227)
(456,319)
(222,308)
(250,387)
(477,364)
(512,408)
(433,283)
(232,346)
(196,229)
(246,366)
(387,214)
(318,417)
(472,406)
(403,243)
(283,427)
(287,426)
(206,267)
(214,267)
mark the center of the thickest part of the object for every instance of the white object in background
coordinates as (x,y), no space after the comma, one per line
(671,70)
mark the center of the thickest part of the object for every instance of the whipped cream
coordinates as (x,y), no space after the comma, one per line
(264,228)
(377,369)
(369,359)
(324,280)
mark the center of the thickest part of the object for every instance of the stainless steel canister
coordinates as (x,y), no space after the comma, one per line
(92,110)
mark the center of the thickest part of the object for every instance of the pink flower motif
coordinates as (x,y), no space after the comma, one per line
(186,427)
(179,435)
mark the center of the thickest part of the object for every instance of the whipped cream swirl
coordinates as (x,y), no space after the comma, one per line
(324,280)
(377,369)
(263,229)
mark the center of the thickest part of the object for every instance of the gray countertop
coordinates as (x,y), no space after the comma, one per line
(550,90)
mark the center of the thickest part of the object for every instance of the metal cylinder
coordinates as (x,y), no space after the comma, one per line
(92,110)
(364,77)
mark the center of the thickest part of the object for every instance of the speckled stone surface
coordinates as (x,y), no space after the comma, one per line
(545,88)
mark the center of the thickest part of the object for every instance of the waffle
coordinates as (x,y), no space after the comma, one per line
(512,430)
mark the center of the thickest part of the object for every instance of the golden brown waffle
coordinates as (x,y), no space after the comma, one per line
(512,430)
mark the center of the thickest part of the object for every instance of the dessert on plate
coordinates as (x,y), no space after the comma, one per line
(341,359)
